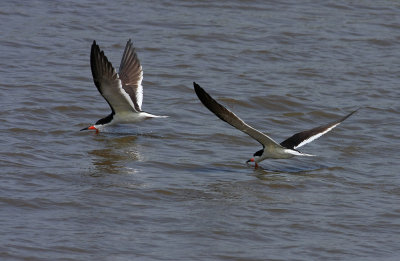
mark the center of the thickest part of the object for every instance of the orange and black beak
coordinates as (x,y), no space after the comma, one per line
(253,160)
(250,160)
(90,128)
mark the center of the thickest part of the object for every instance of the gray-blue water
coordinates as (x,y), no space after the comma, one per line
(178,188)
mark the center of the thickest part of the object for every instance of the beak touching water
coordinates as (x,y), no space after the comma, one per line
(252,160)
(90,128)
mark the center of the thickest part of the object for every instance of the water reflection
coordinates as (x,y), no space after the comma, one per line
(112,158)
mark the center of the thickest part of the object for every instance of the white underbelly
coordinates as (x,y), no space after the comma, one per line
(278,153)
(121,118)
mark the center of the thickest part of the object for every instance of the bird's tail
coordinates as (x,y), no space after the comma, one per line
(298,153)
(149,115)
(158,116)
(307,155)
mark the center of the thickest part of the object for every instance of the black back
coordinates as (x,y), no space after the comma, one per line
(259,153)
(105,120)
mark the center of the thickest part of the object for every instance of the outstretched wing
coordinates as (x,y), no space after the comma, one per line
(229,117)
(131,75)
(107,82)
(304,137)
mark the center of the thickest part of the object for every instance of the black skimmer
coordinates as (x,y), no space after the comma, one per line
(271,149)
(123,91)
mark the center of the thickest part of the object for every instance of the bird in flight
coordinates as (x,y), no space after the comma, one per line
(123,91)
(271,149)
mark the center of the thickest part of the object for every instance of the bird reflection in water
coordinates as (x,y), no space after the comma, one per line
(114,156)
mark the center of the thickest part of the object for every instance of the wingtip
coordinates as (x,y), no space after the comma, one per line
(95,47)
(351,113)
(200,92)
(197,88)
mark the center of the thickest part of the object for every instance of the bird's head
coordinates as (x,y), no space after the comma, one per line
(256,157)
(251,160)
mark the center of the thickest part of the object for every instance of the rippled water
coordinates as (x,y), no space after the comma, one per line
(178,188)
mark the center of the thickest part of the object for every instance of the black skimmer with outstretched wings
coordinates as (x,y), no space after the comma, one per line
(271,149)
(123,91)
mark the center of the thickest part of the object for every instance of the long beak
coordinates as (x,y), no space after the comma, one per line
(253,160)
(89,128)
(250,160)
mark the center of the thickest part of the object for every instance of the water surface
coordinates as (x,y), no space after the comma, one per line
(178,188)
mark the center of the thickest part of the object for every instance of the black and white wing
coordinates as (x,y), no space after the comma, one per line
(131,75)
(229,117)
(108,83)
(304,137)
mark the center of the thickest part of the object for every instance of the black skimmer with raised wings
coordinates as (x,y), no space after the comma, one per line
(123,91)
(271,149)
